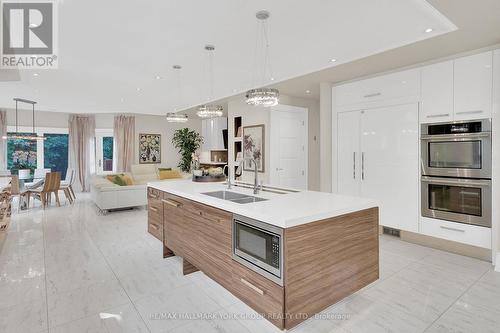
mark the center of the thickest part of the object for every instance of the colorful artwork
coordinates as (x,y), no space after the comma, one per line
(149,148)
(253,147)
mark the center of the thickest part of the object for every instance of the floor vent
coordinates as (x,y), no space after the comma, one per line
(391,232)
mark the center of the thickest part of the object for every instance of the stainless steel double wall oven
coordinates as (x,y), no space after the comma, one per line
(456,171)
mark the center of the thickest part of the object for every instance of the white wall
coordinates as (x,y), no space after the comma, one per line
(143,124)
(252,115)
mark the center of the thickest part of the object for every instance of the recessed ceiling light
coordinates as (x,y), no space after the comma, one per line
(429,30)
(308,91)
(333,60)
(272,79)
(35,74)
(122,99)
(158,77)
(138,89)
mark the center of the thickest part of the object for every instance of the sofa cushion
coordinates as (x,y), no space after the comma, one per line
(144,173)
(120,179)
(169,174)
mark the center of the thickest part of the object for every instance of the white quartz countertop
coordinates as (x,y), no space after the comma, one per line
(281,210)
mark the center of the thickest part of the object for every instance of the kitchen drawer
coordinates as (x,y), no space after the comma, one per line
(261,294)
(155,207)
(217,215)
(155,226)
(386,87)
(458,232)
(154,193)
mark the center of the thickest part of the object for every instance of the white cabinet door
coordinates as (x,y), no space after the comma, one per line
(437,93)
(211,130)
(348,155)
(389,163)
(473,86)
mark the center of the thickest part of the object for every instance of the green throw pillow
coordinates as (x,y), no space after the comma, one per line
(118,180)
(163,169)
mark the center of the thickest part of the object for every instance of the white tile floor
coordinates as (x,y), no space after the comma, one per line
(71,269)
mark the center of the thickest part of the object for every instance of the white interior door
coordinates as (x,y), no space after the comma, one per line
(288,156)
(389,163)
(348,154)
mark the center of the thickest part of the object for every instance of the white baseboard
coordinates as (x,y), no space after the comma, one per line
(497,262)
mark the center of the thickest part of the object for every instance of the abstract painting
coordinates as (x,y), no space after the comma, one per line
(253,147)
(149,148)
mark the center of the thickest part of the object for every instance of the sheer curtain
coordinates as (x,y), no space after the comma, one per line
(124,139)
(82,149)
(3,142)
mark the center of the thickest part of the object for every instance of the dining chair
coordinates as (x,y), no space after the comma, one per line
(40,173)
(51,185)
(66,185)
(16,191)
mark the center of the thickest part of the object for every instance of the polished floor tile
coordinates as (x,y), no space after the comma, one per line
(72,269)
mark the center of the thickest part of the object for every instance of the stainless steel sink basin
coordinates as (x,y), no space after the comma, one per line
(234,197)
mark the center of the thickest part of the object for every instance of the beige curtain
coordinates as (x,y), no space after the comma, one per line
(3,142)
(82,149)
(124,139)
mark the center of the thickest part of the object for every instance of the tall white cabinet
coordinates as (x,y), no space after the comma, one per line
(378,158)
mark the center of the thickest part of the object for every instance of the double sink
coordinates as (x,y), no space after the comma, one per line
(234,197)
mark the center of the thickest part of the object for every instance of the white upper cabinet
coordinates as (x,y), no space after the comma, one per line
(473,86)
(211,130)
(396,86)
(437,93)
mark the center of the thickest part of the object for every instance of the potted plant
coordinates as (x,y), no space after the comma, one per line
(187,142)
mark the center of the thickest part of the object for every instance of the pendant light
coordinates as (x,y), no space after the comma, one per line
(33,136)
(263,96)
(210,110)
(174,117)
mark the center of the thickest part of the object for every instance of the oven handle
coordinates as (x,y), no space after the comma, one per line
(459,136)
(461,182)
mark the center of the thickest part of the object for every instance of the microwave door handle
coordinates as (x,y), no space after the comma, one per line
(467,183)
(459,136)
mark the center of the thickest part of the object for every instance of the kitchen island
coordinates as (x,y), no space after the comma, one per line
(288,256)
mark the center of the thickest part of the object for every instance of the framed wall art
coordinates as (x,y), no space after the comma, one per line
(149,148)
(253,147)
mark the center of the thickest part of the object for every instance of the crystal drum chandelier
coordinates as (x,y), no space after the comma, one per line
(174,117)
(263,96)
(210,110)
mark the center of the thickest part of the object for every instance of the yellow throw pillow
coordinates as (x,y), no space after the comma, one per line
(120,179)
(169,174)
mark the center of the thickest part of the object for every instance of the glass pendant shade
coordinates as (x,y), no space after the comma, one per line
(173,117)
(210,111)
(263,97)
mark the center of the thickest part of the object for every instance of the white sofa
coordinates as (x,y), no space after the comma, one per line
(108,196)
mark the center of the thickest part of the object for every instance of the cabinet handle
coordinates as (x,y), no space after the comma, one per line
(171,202)
(452,229)
(470,112)
(354,165)
(438,115)
(362,166)
(154,226)
(372,95)
(153,209)
(153,196)
(251,286)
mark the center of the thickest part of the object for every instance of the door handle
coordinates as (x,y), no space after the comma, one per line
(171,202)
(362,166)
(354,165)
(438,115)
(470,112)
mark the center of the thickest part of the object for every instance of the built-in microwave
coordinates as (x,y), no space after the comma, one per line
(259,246)
(457,149)
(457,199)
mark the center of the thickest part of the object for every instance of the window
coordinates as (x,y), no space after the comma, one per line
(51,153)
(21,154)
(107,153)
(104,151)
(55,153)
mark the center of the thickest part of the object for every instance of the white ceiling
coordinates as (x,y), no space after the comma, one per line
(108,49)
